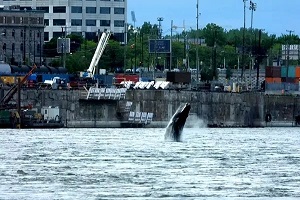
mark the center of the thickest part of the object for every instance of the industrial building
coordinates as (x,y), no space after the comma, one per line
(21,35)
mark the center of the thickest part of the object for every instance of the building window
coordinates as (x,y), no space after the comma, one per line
(3,33)
(104,22)
(119,11)
(25,8)
(104,10)
(90,35)
(21,47)
(4,47)
(22,33)
(57,34)
(90,22)
(46,22)
(59,9)
(38,47)
(59,22)
(76,9)
(76,22)
(43,8)
(13,19)
(13,33)
(13,47)
(119,37)
(90,9)
(119,23)
(46,36)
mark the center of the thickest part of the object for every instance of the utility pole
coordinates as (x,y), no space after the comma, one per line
(197,42)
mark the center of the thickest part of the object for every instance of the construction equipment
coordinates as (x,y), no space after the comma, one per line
(97,55)
(13,90)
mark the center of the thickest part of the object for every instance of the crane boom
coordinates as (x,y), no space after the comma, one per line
(9,95)
(98,53)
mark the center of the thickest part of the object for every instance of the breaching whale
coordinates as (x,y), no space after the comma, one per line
(177,122)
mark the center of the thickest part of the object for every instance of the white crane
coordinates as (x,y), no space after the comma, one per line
(97,55)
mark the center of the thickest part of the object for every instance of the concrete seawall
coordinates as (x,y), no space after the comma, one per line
(209,108)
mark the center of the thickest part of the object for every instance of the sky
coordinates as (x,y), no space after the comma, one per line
(274,16)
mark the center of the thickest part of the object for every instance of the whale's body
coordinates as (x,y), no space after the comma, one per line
(177,122)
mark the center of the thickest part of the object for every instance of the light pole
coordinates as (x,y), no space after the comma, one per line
(125,44)
(171,55)
(243,47)
(252,8)
(159,31)
(197,43)
(288,53)
(160,19)
(135,31)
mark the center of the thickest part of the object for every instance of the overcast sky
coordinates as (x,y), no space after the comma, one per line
(274,16)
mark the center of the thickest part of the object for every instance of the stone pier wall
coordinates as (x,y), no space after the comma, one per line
(215,109)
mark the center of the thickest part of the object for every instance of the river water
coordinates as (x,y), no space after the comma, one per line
(139,164)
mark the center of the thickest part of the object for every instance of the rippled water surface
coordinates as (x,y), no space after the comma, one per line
(139,164)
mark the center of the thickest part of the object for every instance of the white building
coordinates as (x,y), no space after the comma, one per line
(85,17)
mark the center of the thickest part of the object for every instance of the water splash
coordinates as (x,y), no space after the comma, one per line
(193,121)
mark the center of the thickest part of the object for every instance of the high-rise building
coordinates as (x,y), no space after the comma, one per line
(85,17)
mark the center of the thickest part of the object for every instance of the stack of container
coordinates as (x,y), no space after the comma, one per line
(273,74)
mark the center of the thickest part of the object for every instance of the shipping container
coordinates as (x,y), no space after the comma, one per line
(272,80)
(297,71)
(291,72)
(10,80)
(289,80)
(273,71)
(126,77)
(106,80)
(179,77)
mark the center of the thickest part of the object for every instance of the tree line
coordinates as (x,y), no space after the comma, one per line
(217,48)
